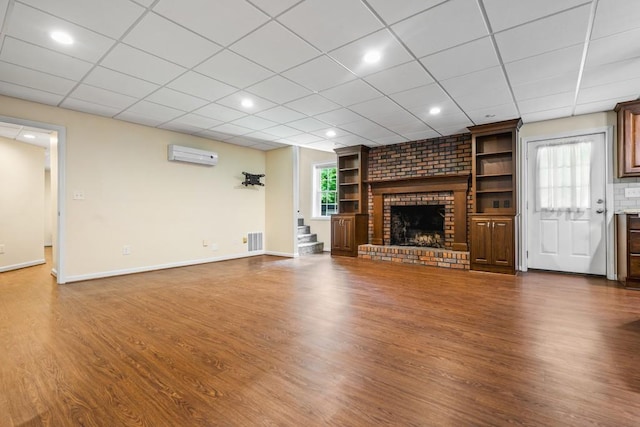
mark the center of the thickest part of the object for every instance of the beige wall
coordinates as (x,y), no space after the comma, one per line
(48,210)
(307,159)
(133,196)
(280,203)
(568,124)
(22,202)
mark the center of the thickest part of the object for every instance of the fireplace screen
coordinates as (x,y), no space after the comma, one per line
(418,225)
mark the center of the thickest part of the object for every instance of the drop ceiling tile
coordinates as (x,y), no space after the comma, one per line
(419,136)
(263,146)
(217,136)
(454,130)
(37,58)
(423,98)
(30,94)
(103,97)
(467,58)
(544,87)
(551,64)
(34,26)
(615,16)
(4,4)
(394,11)
(140,119)
(119,82)
(613,48)
(319,74)
(391,51)
(89,107)
(274,7)
(304,138)
(21,76)
(308,125)
(352,21)
(339,117)
(163,38)
(629,89)
(351,140)
(407,127)
(278,90)
(140,64)
(546,115)
(558,31)
(282,131)
(350,93)
(201,86)
(233,69)
(219,112)
(480,89)
(367,129)
(222,21)
(456,119)
(402,77)
(232,129)
(176,126)
(322,133)
(235,101)
(596,107)
(275,47)
(326,145)
(558,100)
(195,121)
(154,111)
(312,105)
(263,136)
(254,123)
(494,113)
(378,108)
(280,114)
(432,30)
(145,3)
(611,73)
(390,140)
(175,99)
(110,18)
(505,14)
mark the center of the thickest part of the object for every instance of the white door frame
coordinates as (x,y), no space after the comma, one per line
(60,261)
(523,179)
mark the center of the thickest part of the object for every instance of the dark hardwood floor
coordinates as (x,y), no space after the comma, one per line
(318,341)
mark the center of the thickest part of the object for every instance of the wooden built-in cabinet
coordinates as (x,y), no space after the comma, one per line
(349,226)
(493,189)
(628,238)
(347,232)
(628,139)
(492,244)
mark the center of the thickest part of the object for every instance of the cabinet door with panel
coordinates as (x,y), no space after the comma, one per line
(481,240)
(628,138)
(502,241)
(492,244)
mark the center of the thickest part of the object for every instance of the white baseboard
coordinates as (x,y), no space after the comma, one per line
(282,254)
(22,265)
(103,274)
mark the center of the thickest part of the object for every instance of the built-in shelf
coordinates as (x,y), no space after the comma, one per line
(495,153)
(494,175)
(492,191)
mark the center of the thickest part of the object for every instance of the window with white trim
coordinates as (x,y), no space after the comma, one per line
(325,190)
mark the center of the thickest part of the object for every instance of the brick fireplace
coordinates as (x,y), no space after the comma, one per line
(421,173)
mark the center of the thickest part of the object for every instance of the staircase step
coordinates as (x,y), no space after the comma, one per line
(304,229)
(307,238)
(310,248)
(300,222)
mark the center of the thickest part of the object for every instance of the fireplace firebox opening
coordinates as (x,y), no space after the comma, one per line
(418,226)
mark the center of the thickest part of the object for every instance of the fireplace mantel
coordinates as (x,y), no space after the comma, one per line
(458,184)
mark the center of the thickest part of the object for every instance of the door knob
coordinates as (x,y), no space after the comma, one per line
(600,211)
(600,201)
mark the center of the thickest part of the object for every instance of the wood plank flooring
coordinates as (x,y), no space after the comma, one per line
(318,341)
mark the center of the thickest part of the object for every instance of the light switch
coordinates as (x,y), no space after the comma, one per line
(630,192)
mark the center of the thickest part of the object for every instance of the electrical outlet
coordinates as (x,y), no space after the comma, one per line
(78,195)
(630,192)
(1,249)
(214,246)
(126,250)
(244,240)
(205,243)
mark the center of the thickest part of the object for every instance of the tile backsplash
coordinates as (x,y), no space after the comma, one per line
(620,201)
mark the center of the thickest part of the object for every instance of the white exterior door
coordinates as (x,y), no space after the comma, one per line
(571,240)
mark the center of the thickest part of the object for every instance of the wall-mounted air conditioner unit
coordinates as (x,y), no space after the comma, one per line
(178,153)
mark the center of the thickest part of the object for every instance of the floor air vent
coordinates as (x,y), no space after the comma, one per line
(254,241)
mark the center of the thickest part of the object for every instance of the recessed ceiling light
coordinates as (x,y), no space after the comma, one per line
(331,133)
(62,37)
(372,57)
(29,136)
(247,103)
(434,110)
